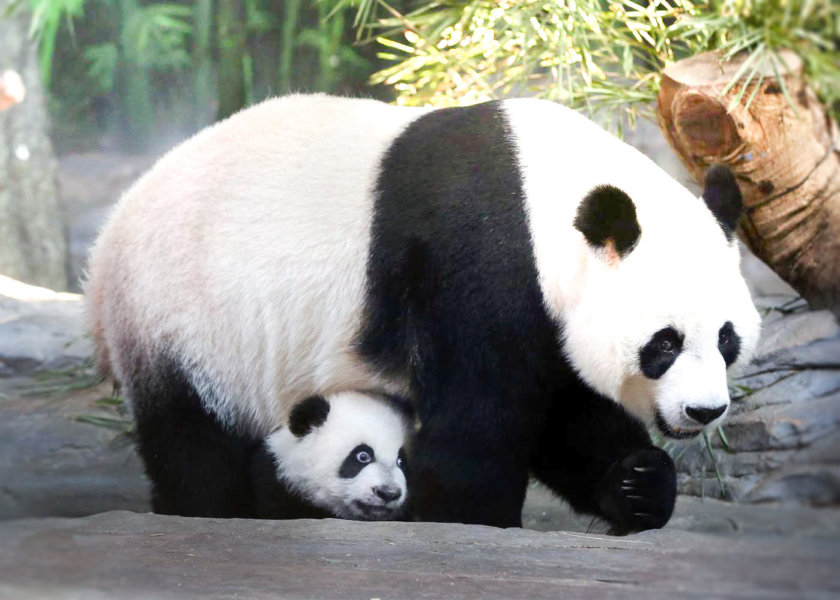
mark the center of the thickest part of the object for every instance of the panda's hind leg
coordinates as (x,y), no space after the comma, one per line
(197,467)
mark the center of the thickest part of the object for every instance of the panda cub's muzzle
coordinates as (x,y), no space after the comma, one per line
(376,488)
(388,506)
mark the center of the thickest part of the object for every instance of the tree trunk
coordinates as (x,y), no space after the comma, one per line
(231,39)
(786,158)
(33,247)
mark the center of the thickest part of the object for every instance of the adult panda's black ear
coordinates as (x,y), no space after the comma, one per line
(607,219)
(308,414)
(723,197)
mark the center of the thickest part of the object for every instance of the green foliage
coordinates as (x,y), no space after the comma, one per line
(102,60)
(592,54)
(133,71)
(47,17)
(761,28)
(155,36)
(333,54)
(112,414)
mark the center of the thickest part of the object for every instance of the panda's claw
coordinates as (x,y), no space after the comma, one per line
(643,469)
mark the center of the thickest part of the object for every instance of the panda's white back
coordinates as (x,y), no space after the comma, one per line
(200,255)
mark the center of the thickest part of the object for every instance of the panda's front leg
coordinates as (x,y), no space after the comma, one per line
(467,470)
(601,460)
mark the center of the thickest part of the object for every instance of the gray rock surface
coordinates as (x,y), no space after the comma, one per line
(53,464)
(125,555)
(545,512)
(40,329)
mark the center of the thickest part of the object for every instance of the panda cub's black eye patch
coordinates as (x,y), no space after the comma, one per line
(729,343)
(359,457)
(657,356)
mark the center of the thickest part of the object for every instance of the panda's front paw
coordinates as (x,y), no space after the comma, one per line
(639,491)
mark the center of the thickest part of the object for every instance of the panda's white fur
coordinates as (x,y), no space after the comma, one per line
(309,465)
(208,234)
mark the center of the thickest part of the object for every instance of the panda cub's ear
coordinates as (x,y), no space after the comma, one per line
(723,197)
(308,414)
(607,219)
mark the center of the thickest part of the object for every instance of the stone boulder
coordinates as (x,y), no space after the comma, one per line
(127,556)
(40,329)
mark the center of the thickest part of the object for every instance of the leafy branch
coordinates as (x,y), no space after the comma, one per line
(591,54)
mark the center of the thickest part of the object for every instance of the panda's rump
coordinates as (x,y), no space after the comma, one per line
(243,253)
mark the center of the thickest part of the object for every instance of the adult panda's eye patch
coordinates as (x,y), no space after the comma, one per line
(729,343)
(663,348)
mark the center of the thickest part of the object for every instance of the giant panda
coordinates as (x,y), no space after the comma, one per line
(339,456)
(539,289)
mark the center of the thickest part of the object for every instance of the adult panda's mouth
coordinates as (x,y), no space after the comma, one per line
(677,434)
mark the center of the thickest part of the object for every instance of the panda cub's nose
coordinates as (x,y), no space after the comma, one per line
(388,493)
(704,415)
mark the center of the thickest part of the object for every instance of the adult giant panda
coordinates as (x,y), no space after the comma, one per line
(538,288)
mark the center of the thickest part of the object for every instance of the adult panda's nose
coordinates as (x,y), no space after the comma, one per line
(388,493)
(703,414)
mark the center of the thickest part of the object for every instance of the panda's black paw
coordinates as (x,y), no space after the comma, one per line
(639,491)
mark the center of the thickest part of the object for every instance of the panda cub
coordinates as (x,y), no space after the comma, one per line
(338,456)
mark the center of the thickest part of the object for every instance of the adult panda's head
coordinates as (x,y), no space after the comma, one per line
(661,312)
(344,453)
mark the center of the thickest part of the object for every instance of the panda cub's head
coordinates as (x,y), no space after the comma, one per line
(344,454)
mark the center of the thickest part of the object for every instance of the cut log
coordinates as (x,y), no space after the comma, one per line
(786,156)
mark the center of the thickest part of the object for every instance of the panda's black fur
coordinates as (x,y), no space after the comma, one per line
(198,466)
